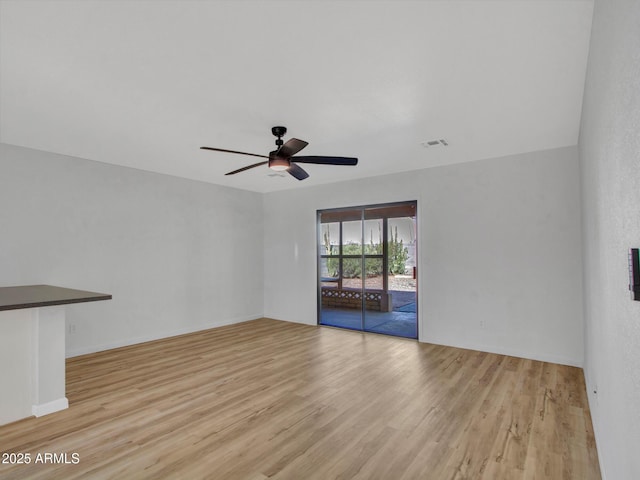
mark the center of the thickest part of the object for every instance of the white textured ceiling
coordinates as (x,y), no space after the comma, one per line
(146,83)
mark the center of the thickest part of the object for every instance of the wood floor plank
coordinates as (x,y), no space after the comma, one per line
(270,399)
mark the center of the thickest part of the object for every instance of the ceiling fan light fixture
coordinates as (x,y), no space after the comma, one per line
(278,168)
(278,164)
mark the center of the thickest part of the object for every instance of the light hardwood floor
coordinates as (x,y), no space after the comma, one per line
(270,399)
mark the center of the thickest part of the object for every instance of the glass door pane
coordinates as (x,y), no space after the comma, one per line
(340,267)
(375,298)
(352,237)
(330,255)
(402,276)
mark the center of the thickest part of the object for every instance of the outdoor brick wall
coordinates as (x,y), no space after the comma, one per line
(346,298)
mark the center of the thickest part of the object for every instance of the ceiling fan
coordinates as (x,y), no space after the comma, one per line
(282,158)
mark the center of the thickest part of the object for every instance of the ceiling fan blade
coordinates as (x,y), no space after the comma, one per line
(291,147)
(326,160)
(247,167)
(233,151)
(297,171)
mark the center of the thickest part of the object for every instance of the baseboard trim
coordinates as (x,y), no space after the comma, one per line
(595,417)
(50,407)
(543,357)
(75,352)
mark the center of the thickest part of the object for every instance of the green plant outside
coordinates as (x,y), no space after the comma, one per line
(352,267)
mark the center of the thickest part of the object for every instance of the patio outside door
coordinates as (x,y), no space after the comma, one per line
(367,269)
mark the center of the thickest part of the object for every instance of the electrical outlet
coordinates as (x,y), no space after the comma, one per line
(72,328)
(481,323)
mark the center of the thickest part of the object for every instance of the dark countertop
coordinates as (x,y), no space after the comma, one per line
(31,296)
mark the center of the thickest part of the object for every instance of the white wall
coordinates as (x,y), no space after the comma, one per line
(177,255)
(609,149)
(499,243)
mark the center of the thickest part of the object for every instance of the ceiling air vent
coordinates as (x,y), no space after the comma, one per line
(435,143)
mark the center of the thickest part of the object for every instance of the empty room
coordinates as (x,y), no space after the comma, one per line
(320,239)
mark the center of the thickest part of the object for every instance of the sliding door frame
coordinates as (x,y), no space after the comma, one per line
(363,256)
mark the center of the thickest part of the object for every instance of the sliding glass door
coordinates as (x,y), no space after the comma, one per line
(367,268)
